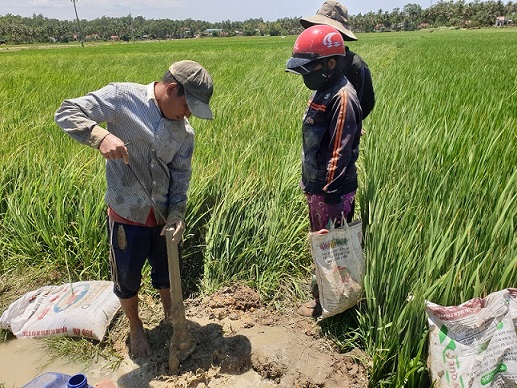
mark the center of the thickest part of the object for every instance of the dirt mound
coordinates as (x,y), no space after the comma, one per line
(241,344)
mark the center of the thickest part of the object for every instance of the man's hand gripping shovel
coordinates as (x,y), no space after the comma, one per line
(182,342)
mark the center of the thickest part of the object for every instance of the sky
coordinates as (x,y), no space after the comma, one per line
(206,10)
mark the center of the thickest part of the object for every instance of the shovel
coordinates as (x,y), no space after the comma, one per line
(182,342)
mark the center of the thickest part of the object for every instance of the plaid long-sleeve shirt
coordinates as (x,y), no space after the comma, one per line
(160,150)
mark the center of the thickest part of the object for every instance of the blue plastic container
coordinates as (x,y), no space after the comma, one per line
(58,380)
(49,380)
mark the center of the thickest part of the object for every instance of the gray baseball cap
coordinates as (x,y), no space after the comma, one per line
(334,14)
(198,87)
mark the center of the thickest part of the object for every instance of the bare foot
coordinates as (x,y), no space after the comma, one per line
(139,343)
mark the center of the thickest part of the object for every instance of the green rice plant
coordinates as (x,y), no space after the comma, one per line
(439,192)
(437,187)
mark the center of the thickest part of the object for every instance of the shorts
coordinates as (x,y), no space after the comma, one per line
(130,247)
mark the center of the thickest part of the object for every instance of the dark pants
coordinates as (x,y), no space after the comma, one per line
(130,247)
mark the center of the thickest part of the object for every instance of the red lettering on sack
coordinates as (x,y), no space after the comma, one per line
(43,313)
(87,333)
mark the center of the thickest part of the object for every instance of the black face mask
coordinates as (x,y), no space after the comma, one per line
(316,79)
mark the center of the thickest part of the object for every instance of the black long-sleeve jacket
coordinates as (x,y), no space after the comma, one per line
(331,131)
(358,73)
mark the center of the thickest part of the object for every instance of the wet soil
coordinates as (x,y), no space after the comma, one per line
(239,343)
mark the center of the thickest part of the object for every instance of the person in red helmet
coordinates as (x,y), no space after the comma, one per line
(331,130)
(334,14)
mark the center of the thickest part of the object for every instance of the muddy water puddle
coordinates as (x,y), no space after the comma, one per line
(21,360)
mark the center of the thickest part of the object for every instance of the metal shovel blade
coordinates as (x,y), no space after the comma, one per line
(182,342)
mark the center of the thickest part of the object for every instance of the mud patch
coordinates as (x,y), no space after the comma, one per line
(240,343)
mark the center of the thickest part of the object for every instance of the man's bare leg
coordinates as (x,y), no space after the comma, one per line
(138,342)
(165,296)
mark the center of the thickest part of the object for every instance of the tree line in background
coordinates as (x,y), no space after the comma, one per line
(39,29)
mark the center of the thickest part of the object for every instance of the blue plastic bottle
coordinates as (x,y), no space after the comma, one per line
(58,380)
(77,381)
(49,380)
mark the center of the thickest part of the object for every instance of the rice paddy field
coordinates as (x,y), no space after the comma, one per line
(438,191)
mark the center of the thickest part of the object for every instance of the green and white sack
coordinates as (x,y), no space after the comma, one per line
(474,344)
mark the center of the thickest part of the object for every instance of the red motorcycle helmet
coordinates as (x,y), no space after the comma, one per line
(314,43)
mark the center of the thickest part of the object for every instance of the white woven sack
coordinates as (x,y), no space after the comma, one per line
(340,267)
(81,309)
(474,344)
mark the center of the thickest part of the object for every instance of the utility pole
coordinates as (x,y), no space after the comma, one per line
(132,30)
(78,24)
